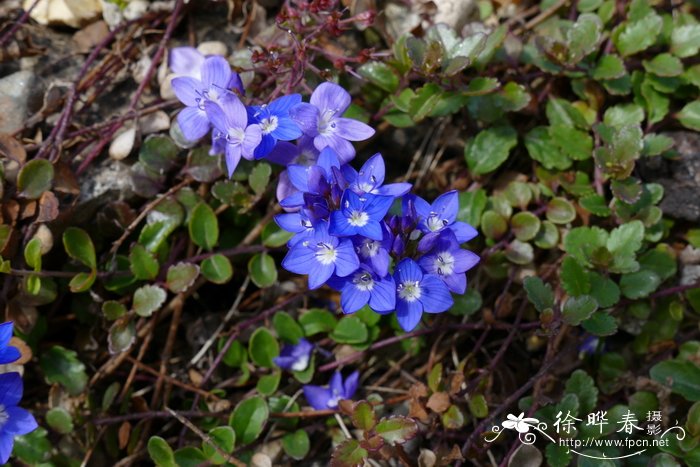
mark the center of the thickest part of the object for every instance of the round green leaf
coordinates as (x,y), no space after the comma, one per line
(262,270)
(79,246)
(222,437)
(525,226)
(181,276)
(121,336)
(560,211)
(267,384)
(548,236)
(204,226)
(112,310)
(160,451)
(273,236)
(35,178)
(689,115)
(380,74)
(520,252)
(287,328)
(249,418)
(148,299)
(350,330)
(62,366)
(260,177)
(217,269)
(490,149)
(263,347)
(639,284)
(397,430)
(142,264)
(59,420)
(296,445)
(577,309)
(317,321)
(493,225)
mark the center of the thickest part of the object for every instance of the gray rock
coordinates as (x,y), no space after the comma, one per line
(15,91)
(680,177)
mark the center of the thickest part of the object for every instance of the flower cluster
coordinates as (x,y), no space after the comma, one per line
(344,233)
(14,420)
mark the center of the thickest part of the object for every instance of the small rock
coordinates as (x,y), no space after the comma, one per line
(690,255)
(135,9)
(72,13)
(690,274)
(122,144)
(260,460)
(15,91)
(212,48)
(680,177)
(166,88)
(110,176)
(111,13)
(91,35)
(400,19)
(153,123)
(45,238)
(141,68)
(454,13)
(427,458)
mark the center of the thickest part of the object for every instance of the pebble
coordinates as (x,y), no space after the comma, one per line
(155,122)
(122,144)
(212,48)
(15,91)
(71,13)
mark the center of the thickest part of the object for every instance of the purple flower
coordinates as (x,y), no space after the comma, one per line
(14,420)
(364,287)
(275,123)
(417,293)
(376,252)
(432,218)
(215,86)
(186,61)
(321,120)
(360,215)
(8,353)
(295,357)
(449,262)
(320,256)
(241,139)
(314,179)
(322,398)
(370,179)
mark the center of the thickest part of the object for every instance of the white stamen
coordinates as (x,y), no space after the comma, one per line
(326,125)
(363,281)
(369,248)
(301,364)
(268,125)
(409,291)
(358,218)
(445,263)
(326,254)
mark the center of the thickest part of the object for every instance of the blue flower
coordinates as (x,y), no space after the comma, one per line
(376,252)
(275,123)
(417,293)
(14,420)
(322,398)
(215,86)
(321,120)
(241,139)
(442,214)
(370,179)
(449,262)
(8,353)
(186,61)
(295,357)
(365,287)
(320,256)
(360,215)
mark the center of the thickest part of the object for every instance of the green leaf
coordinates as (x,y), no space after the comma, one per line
(204,226)
(381,75)
(262,270)
(296,445)
(121,336)
(82,281)
(661,260)
(627,238)
(490,149)
(249,418)
(453,418)
(148,299)
(33,448)
(525,225)
(520,252)
(561,112)
(539,293)
(161,453)
(604,290)
(493,225)
(664,65)
(35,178)
(609,67)
(259,178)
(79,246)
(689,116)
(584,36)
(583,386)
(158,153)
(558,455)
(222,437)
(397,430)
(544,150)
(478,406)
(62,366)
(624,115)
(287,328)
(273,236)
(595,204)
(317,321)
(577,309)
(363,416)
(113,310)
(181,276)
(189,456)
(59,420)
(639,284)
(201,166)
(350,330)
(471,206)
(600,324)
(349,453)
(583,242)
(577,144)
(217,269)
(574,278)
(424,102)
(655,145)
(685,40)
(142,264)
(548,236)
(263,347)
(32,254)
(633,37)
(682,376)
(268,384)
(560,211)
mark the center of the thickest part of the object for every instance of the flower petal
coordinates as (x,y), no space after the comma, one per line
(340,225)
(317,396)
(463,231)
(377,206)
(330,96)
(299,260)
(352,298)
(346,262)
(233,157)
(9,354)
(290,221)
(455,282)
(383,299)
(11,388)
(343,148)
(283,153)
(186,61)
(7,442)
(282,105)
(287,130)
(267,144)
(394,189)
(306,116)
(193,123)
(350,385)
(186,89)
(408,314)
(216,72)
(407,270)
(251,140)
(20,421)
(435,296)
(447,206)
(353,130)
(319,274)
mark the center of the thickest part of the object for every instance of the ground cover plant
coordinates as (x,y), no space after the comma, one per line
(347,233)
